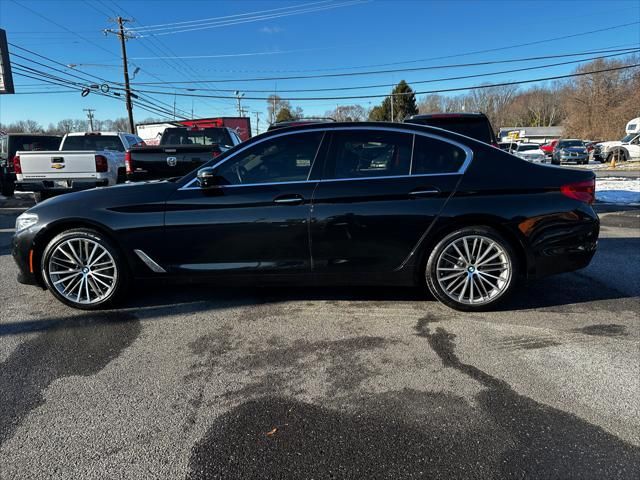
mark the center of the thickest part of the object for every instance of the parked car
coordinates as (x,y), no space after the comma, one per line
(151,133)
(570,150)
(507,146)
(84,160)
(548,147)
(530,152)
(12,142)
(473,125)
(180,151)
(626,149)
(341,203)
(300,121)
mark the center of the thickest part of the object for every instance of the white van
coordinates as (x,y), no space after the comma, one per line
(633,126)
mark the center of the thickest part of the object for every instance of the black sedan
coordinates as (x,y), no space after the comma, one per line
(339,203)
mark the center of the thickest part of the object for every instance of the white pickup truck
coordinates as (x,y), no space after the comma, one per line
(626,149)
(84,160)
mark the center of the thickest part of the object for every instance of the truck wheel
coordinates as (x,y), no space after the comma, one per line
(41,196)
(7,188)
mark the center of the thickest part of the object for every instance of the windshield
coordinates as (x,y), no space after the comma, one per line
(524,148)
(207,136)
(570,143)
(629,137)
(93,142)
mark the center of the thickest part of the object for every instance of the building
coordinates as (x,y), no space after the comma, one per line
(530,134)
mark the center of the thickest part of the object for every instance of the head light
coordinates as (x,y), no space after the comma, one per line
(25,221)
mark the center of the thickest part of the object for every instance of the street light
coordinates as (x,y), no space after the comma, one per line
(239,97)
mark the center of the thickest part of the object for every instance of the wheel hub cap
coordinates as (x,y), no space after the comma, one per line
(474,269)
(82,271)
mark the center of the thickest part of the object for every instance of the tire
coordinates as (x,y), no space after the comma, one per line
(86,255)
(450,282)
(7,188)
(41,196)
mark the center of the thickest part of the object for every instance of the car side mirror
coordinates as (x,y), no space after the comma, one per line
(208,178)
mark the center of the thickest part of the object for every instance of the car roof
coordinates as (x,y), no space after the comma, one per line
(415,127)
(97,134)
(448,115)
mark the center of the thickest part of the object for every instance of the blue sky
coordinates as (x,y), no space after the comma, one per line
(358,33)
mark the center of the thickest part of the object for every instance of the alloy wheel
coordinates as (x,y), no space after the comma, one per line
(474,270)
(82,271)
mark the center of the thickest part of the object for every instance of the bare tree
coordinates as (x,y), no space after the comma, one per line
(348,113)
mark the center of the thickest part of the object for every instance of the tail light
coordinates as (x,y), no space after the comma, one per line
(101,164)
(494,144)
(17,167)
(216,153)
(582,191)
(127,162)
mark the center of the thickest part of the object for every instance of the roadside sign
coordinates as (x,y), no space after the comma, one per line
(6,79)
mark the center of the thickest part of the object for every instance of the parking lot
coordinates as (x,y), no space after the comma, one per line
(208,382)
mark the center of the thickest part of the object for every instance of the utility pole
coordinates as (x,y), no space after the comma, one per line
(239,97)
(127,88)
(90,117)
(391,98)
(257,122)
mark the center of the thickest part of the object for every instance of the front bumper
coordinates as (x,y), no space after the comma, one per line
(54,187)
(24,255)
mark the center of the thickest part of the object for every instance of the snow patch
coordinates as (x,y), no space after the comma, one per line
(618,190)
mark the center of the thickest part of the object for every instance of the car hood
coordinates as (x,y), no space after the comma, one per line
(574,149)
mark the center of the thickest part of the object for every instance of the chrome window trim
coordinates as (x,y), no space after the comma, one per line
(468,152)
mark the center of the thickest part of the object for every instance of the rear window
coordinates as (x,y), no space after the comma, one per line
(474,127)
(209,136)
(93,142)
(26,143)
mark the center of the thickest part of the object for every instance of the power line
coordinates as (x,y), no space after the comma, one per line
(413,82)
(147,27)
(161,47)
(174,30)
(376,72)
(353,97)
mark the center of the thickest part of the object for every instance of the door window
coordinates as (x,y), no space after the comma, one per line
(283,159)
(432,156)
(369,153)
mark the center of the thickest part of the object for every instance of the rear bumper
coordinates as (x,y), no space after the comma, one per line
(51,186)
(565,247)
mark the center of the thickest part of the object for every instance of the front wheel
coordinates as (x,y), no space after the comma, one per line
(471,269)
(41,196)
(83,269)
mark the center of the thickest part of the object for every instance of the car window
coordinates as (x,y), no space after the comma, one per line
(474,127)
(570,143)
(282,159)
(524,148)
(93,142)
(431,155)
(3,146)
(369,153)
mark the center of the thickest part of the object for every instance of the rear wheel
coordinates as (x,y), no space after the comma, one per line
(471,269)
(83,269)
(7,188)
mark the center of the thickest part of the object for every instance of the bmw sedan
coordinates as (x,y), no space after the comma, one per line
(334,203)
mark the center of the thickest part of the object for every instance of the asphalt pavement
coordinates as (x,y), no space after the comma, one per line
(209,382)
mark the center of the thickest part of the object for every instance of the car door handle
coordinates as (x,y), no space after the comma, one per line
(289,199)
(424,192)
